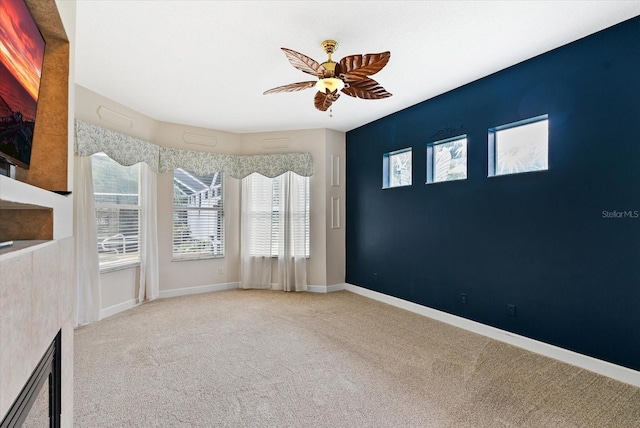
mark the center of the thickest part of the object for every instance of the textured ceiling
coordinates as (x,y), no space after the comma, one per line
(207,63)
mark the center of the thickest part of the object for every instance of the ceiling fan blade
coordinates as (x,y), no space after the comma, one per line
(358,67)
(304,63)
(367,89)
(323,101)
(293,87)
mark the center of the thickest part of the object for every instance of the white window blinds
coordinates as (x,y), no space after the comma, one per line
(117,200)
(268,215)
(198,215)
(264,203)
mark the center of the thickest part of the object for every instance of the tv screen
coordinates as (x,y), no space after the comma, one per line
(21,56)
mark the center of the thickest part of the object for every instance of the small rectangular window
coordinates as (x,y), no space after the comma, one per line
(519,147)
(396,168)
(198,215)
(447,160)
(116,192)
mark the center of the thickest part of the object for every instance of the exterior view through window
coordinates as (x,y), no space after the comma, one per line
(519,147)
(198,215)
(447,160)
(396,168)
(117,199)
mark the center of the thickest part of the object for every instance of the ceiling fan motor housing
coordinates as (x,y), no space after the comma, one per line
(329,82)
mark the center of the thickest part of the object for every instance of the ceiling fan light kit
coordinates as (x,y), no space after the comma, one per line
(349,76)
(330,84)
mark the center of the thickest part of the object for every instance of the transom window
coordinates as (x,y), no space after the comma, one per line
(396,168)
(519,147)
(447,160)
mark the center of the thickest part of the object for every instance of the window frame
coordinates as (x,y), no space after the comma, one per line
(122,262)
(186,256)
(492,164)
(431,159)
(386,168)
(276,182)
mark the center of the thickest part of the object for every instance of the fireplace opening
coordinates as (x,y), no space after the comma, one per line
(41,396)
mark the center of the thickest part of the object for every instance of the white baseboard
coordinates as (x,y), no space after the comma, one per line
(116,309)
(325,288)
(199,289)
(623,374)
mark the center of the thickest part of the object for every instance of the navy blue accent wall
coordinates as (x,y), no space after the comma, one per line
(537,240)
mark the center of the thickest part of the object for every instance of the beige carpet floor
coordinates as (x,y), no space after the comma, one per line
(243,358)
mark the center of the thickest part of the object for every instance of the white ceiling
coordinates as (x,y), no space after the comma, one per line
(207,63)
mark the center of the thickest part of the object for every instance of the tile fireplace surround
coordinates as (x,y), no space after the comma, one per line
(36,302)
(38,404)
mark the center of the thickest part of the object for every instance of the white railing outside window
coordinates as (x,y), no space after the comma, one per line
(198,215)
(117,201)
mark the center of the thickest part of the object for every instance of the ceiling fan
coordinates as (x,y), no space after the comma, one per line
(350,76)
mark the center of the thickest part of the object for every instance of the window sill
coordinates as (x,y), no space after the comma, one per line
(511,174)
(397,186)
(113,268)
(191,258)
(453,180)
(275,257)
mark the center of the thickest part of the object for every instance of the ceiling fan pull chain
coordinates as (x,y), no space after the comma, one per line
(331,112)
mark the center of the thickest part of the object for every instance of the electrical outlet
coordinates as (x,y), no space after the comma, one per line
(463,298)
(220,271)
(511,310)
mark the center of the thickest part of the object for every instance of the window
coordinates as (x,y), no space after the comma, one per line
(519,147)
(117,199)
(447,160)
(266,216)
(396,168)
(198,215)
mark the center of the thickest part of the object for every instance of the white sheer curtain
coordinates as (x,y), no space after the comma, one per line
(292,236)
(256,232)
(86,254)
(88,302)
(149,269)
(274,220)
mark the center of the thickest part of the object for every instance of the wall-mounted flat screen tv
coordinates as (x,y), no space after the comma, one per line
(21,57)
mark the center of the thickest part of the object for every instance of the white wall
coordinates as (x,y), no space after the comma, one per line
(326,262)
(194,273)
(335,212)
(67,12)
(312,141)
(119,286)
(102,111)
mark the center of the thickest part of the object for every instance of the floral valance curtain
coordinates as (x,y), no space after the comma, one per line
(124,149)
(236,166)
(128,150)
